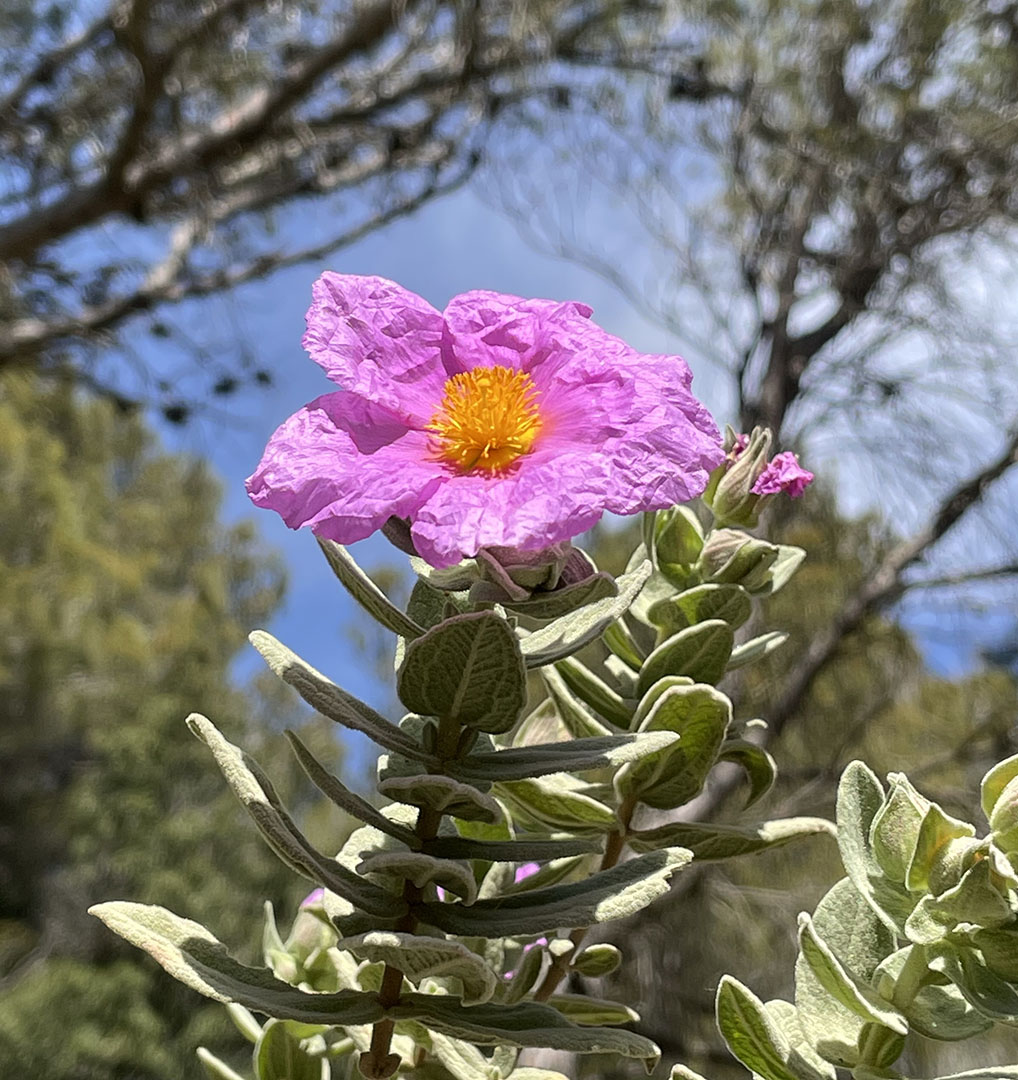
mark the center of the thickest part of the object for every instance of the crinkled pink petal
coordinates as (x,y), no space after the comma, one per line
(783,474)
(538,501)
(379,340)
(344,466)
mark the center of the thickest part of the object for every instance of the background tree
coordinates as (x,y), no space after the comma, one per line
(123,602)
(167,151)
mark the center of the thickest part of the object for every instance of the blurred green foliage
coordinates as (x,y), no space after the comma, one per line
(123,602)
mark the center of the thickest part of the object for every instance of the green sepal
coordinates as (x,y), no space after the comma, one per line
(280,1056)
(602,897)
(255,791)
(595,692)
(755,761)
(582,1009)
(712,842)
(730,603)
(568,634)
(430,791)
(420,957)
(467,669)
(332,702)
(559,602)
(366,592)
(193,956)
(700,652)
(700,716)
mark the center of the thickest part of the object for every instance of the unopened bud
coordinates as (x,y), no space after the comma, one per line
(730,492)
(733,557)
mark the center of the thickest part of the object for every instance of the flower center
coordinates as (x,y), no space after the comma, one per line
(488,418)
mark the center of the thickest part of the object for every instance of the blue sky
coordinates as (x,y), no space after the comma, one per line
(453,244)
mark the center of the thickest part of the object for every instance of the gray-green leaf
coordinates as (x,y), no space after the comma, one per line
(709,842)
(366,592)
(279,1056)
(468,669)
(700,652)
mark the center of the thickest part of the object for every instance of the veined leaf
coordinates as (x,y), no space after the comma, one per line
(561,601)
(756,649)
(455,877)
(255,791)
(573,755)
(731,603)
(750,1033)
(700,652)
(756,761)
(709,842)
(582,1009)
(328,699)
(842,985)
(549,801)
(606,895)
(568,634)
(366,592)
(442,793)
(468,669)
(986,992)
(193,956)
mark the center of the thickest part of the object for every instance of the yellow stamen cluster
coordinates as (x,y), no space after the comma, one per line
(488,418)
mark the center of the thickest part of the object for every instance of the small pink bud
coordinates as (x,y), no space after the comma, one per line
(528,869)
(783,474)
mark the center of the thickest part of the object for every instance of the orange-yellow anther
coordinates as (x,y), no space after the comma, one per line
(488,418)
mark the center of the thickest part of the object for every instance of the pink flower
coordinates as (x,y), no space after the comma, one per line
(316,896)
(500,422)
(784,473)
(528,869)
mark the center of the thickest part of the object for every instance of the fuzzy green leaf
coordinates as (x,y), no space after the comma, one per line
(414,866)
(468,669)
(976,899)
(571,632)
(857,996)
(253,789)
(730,603)
(328,699)
(442,793)
(700,716)
(366,592)
(986,992)
(525,1024)
(993,783)
(597,960)
(756,649)
(551,802)
(750,1033)
(700,652)
(559,602)
(937,854)
(343,797)
(582,1009)
(803,1059)
(573,755)
(577,718)
(188,952)
(421,957)
(711,842)
(609,894)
